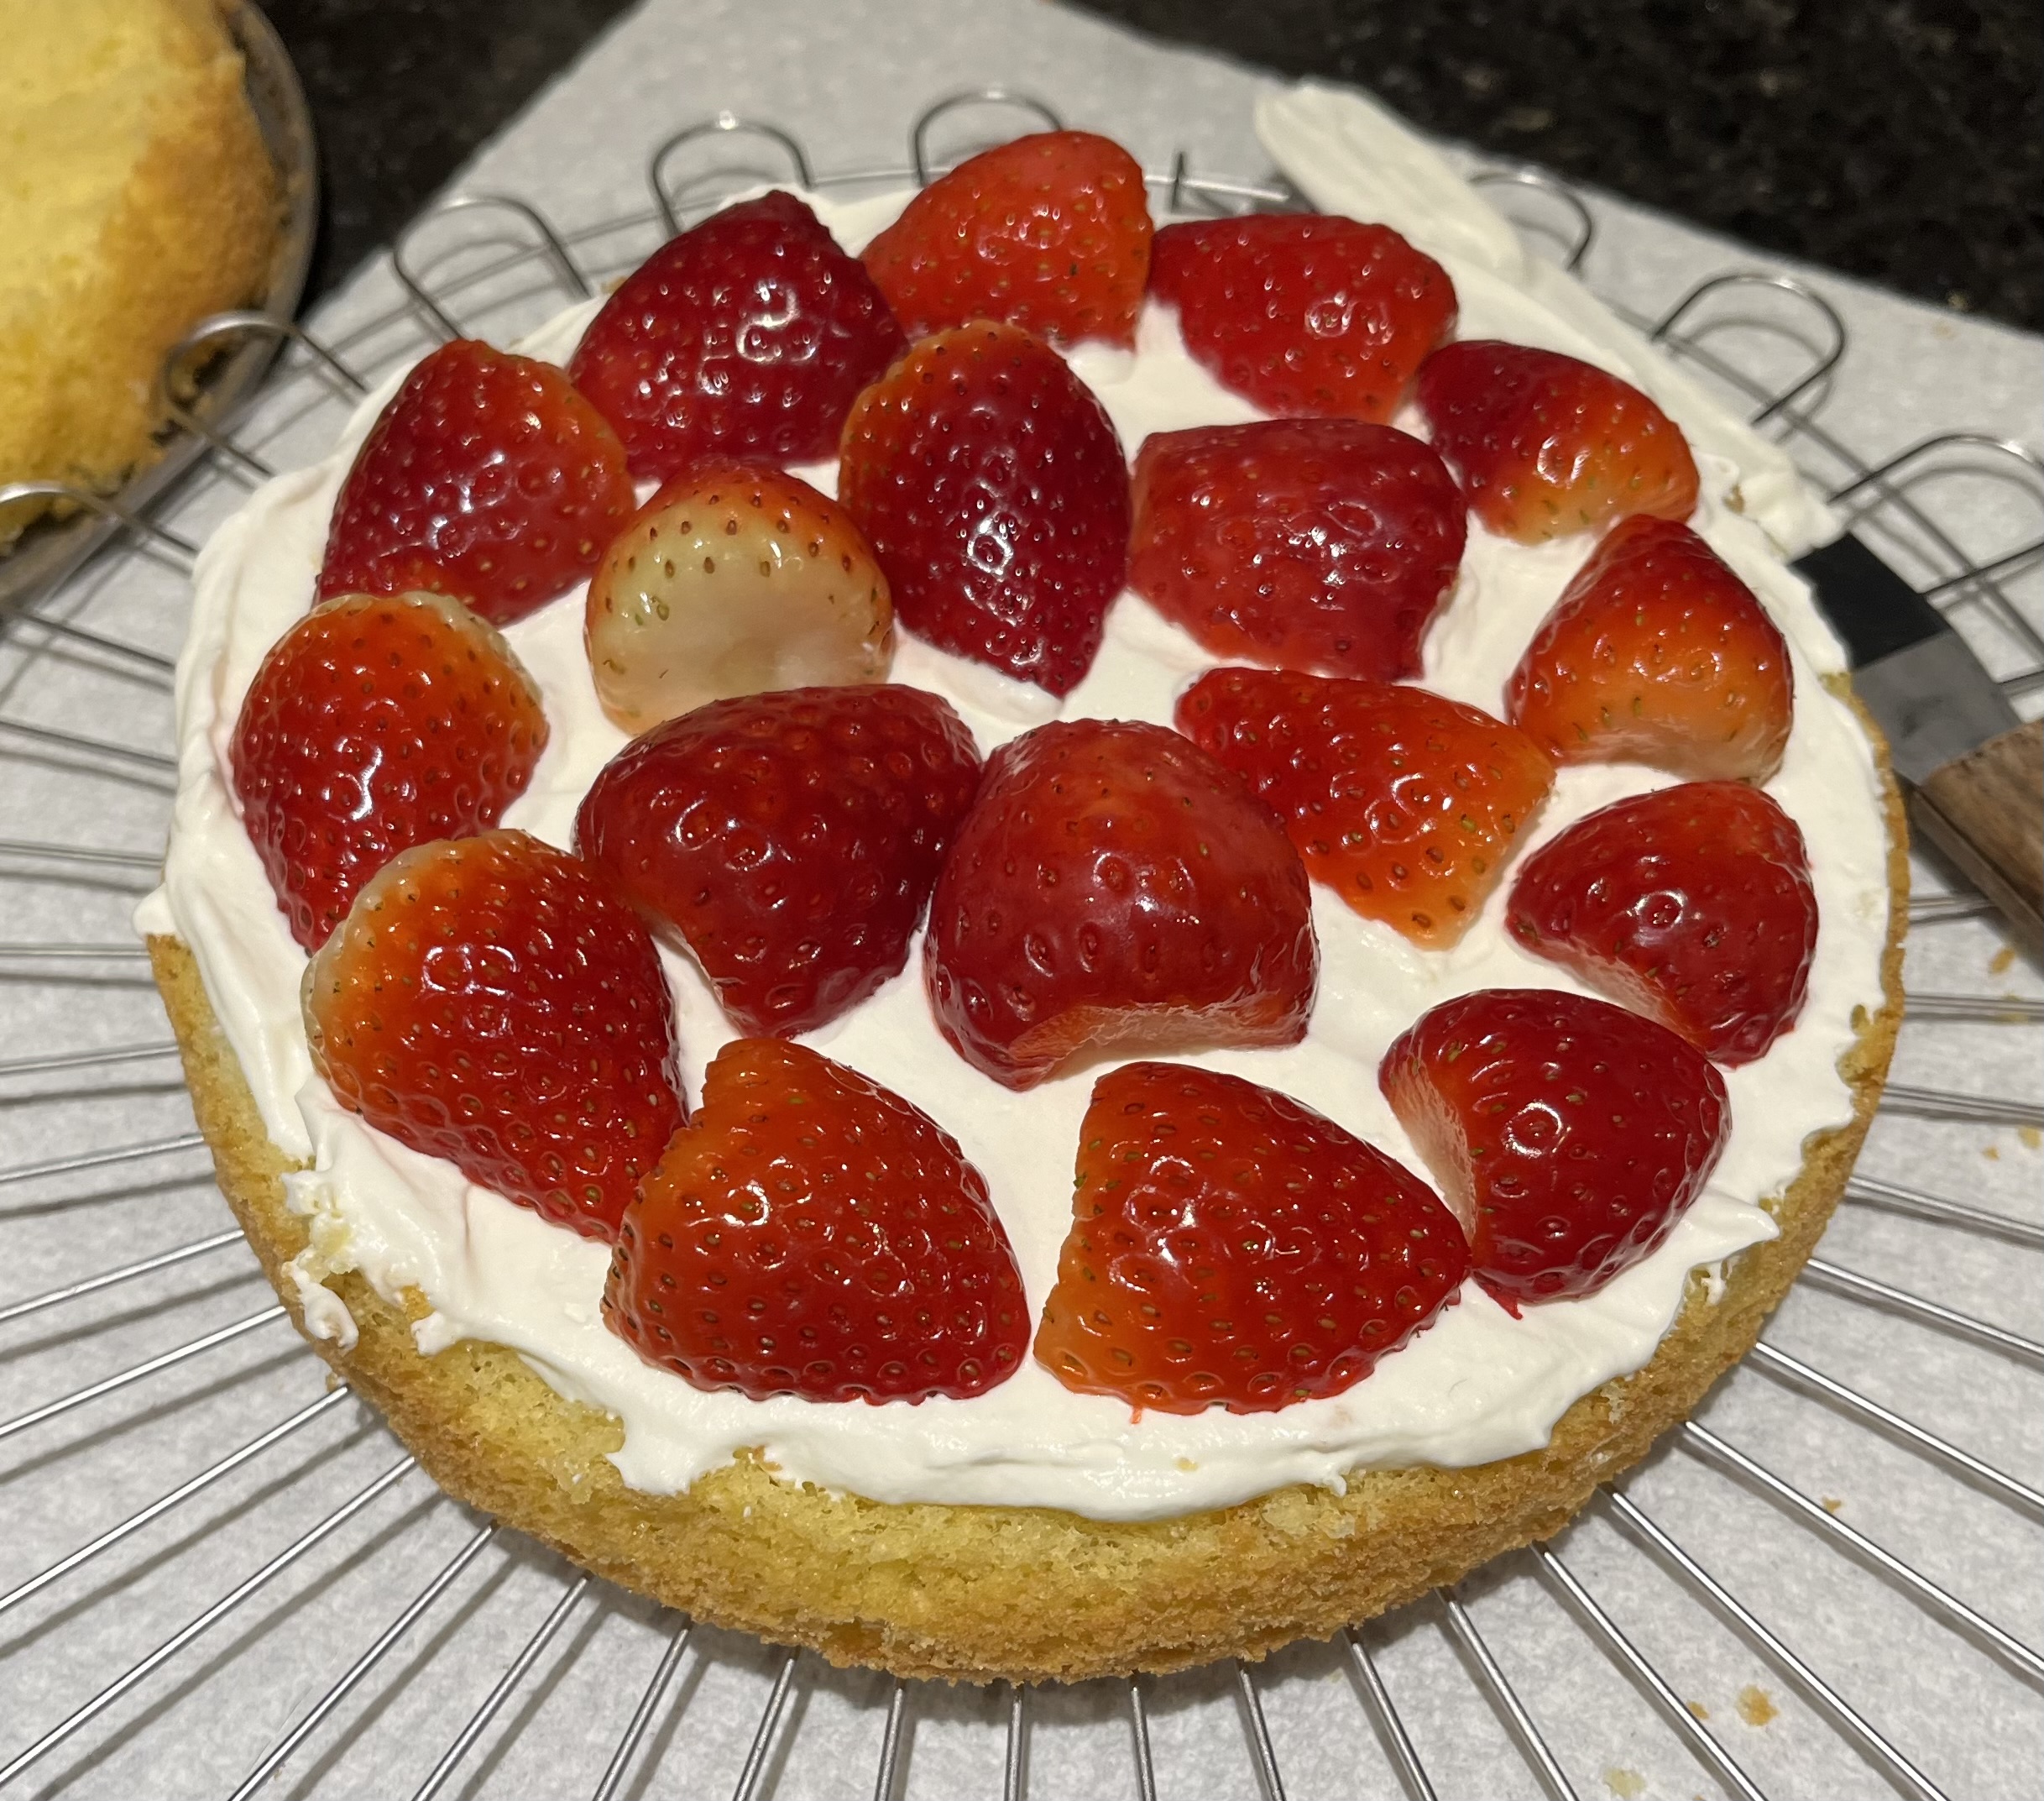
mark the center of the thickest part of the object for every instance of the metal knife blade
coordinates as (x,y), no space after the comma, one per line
(1973,772)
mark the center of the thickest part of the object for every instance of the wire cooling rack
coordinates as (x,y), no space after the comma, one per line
(220,1575)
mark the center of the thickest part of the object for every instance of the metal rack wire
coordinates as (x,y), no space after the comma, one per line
(363,1635)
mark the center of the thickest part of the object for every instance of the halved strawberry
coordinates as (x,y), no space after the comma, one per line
(1304,313)
(1568,1135)
(811,1233)
(746,336)
(1231,1247)
(1113,884)
(1051,233)
(1407,804)
(487,476)
(990,482)
(1546,444)
(377,723)
(490,1001)
(1321,544)
(733,581)
(789,841)
(1692,905)
(1658,654)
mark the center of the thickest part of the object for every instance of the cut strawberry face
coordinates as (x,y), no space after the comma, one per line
(789,841)
(990,484)
(1544,444)
(1113,885)
(1692,905)
(1318,544)
(747,336)
(811,1233)
(377,723)
(1658,654)
(1051,233)
(1303,314)
(1230,1248)
(1406,804)
(733,581)
(488,1001)
(487,477)
(1568,1135)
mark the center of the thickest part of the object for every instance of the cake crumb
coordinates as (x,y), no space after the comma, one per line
(1187,1464)
(1992,1153)
(2032,1137)
(1833,1502)
(1627,1785)
(1756,1706)
(2002,960)
(1698,1708)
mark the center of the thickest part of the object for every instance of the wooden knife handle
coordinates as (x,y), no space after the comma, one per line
(1985,811)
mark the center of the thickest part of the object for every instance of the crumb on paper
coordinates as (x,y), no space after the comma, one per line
(1698,1708)
(1833,1502)
(1991,1152)
(2002,960)
(1627,1785)
(2032,1137)
(1756,1706)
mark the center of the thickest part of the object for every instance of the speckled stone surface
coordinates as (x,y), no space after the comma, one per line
(1899,140)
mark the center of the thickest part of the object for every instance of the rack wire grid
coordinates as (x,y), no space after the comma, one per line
(220,1574)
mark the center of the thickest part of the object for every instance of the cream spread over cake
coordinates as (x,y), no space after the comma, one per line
(1477,1385)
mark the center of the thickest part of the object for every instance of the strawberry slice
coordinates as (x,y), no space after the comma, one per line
(1567,1134)
(1692,905)
(990,482)
(1404,803)
(487,477)
(746,336)
(1231,1247)
(1546,444)
(1051,233)
(789,841)
(733,581)
(1658,654)
(1321,544)
(1302,313)
(1114,885)
(377,723)
(488,1001)
(811,1233)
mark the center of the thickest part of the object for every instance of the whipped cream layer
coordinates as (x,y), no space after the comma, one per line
(1476,1385)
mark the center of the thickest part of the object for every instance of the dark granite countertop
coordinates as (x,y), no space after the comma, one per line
(1899,140)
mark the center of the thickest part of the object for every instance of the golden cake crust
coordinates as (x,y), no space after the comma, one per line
(136,197)
(1027,1594)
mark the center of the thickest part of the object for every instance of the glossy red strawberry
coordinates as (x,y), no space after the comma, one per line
(1051,233)
(811,1233)
(1692,905)
(1407,805)
(747,336)
(1321,544)
(374,724)
(1231,1247)
(487,476)
(1658,654)
(1568,1135)
(733,581)
(1546,444)
(1112,886)
(1304,313)
(490,1001)
(990,484)
(789,841)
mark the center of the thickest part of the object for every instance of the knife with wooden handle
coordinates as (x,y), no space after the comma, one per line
(1973,772)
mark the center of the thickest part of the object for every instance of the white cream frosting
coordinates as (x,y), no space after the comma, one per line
(1476,1385)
